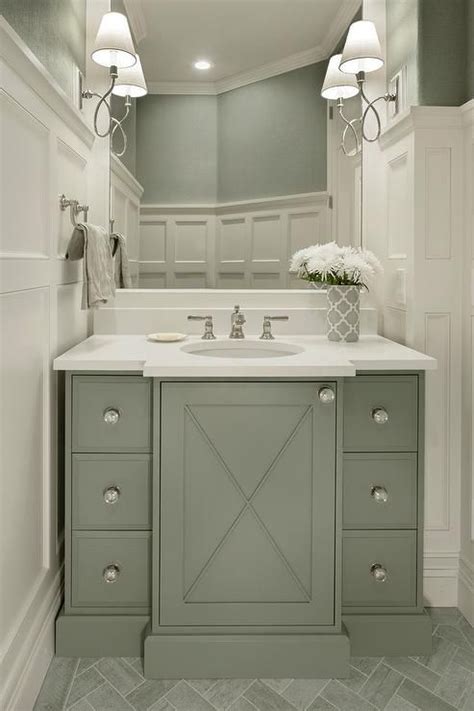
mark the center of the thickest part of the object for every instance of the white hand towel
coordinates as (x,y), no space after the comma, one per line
(92,243)
(123,279)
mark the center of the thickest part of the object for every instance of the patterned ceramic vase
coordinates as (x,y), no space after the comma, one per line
(343,315)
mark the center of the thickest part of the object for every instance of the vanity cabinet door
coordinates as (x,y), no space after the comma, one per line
(247,504)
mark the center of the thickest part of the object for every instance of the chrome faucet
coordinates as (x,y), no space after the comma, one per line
(237,321)
(208,326)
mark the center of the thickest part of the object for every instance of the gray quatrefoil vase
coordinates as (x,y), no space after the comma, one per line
(343,314)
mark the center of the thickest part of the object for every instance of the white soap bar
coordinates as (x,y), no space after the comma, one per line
(166,337)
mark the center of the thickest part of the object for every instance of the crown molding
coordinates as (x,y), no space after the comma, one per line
(265,71)
(294,61)
(136,17)
(182,87)
(339,25)
(271,69)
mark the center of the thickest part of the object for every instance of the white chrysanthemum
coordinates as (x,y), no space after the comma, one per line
(328,263)
(299,259)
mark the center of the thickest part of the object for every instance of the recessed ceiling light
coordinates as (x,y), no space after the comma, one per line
(202,64)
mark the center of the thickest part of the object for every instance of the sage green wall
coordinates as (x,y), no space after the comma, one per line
(434,39)
(261,140)
(177,148)
(272,136)
(55,31)
(402,43)
(443,52)
(470,49)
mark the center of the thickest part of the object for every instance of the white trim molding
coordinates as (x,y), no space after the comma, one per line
(22,60)
(136,17)
(440,579)
(297,60)
(242,244)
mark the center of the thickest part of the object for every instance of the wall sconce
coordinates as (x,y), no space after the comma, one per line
(131,85)
(345,77)
(114,49)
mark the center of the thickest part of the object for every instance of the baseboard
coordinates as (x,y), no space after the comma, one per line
(466,589)
(440,579)
(34,655)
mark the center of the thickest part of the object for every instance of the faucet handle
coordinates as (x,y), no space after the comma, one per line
(208,334)
(267,334)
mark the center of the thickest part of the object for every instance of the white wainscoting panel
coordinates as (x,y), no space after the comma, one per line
(46,150)
(125,195)
(229,246)
(421,193)
(24,142)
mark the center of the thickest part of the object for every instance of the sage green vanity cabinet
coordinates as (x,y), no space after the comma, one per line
(248,474)
(244,528)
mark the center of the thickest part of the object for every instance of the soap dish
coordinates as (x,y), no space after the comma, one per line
(166,337)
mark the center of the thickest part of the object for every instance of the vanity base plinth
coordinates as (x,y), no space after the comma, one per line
(176,656)
(389,635)
(100,635)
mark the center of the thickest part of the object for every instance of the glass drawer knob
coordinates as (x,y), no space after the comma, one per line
(327,396)
(111,494)
(111,573)
(379,572)
(111,416)
(379,494)
(380,415)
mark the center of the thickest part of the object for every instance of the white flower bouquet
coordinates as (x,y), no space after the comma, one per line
(331,265)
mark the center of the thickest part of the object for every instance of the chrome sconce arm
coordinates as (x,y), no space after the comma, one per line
(86,94)
(117,126)
(360,77)
(351,127)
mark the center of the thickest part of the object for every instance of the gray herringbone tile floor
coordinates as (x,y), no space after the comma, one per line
(443,681)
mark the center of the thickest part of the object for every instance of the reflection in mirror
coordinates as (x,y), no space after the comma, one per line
(230,168)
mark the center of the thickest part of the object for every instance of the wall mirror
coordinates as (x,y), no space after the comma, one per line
(232,159)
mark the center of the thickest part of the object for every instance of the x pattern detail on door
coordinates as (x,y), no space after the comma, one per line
(247,498)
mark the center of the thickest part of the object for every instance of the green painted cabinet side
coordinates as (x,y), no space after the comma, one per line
(247,504)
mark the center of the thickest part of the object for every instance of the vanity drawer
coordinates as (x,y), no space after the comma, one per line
(364,583)
(122,557)
(111,413)
(380,491)
(381,413)
(111,491)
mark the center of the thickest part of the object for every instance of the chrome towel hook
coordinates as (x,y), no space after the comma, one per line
(74,208)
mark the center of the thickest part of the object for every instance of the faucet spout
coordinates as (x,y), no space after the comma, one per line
(237,321)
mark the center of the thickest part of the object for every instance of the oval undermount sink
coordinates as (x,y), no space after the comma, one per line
(242,349)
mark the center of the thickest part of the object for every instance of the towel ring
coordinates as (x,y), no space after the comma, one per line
(74,208)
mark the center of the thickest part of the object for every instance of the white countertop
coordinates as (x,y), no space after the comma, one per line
(320,358)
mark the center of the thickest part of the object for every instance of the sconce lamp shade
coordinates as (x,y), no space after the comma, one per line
(114,44)
(338,85)
(131,81)
(362,51)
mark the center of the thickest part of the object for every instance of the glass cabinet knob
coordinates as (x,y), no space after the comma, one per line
(111,573)
(379,572)
(379,494)
(327,396)
(111,416)
(380,415)
(111,494)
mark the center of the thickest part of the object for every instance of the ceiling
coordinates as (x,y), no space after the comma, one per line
(242,38)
